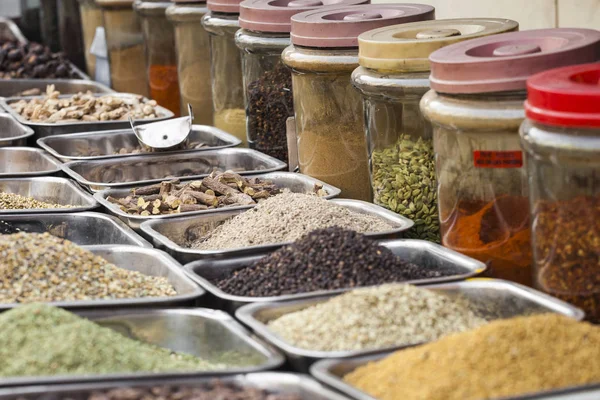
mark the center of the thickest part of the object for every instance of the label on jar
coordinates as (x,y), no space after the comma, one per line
(498,159)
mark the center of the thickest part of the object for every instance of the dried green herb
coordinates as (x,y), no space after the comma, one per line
(12,201)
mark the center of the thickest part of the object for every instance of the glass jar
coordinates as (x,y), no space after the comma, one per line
(91,18)
(561,139)
(161,60)
(125,44)
(70,32)
(29,22)
(476,108)
(49,24)
(392,77)
(226,67)
(329,113)
(193,58)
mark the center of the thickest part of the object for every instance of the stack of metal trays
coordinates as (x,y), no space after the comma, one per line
(84,229)
(173,235)
(43,129)
(21,87)
(139,170)
(27,161)
(424,254)
(296,183)
(123,143)
(492,299)
(13,133)
(273,382)
(201,332)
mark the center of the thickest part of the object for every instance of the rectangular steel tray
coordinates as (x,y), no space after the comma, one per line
(13,133)
(84,229)
(43,129)
(202,332)
(296,183)
(171,235)
(106,143)
(146,169)
(332,371)
(148,261)
(425,254)
(277,382)
(10,31)
(13,87)
(27,161)
(493,299)
(48,189)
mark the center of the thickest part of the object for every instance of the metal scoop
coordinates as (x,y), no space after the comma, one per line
(164,135)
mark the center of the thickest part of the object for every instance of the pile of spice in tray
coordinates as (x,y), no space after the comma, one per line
(376,318)
(214,390)
(501,359)
(43,268)
(285,218)
(219,189)
(325,259)
(33,60)
(40,340)
(12,201)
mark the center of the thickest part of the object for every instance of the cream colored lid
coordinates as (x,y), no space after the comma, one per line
(406,47)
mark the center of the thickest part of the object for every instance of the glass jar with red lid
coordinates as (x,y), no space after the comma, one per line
(561,139)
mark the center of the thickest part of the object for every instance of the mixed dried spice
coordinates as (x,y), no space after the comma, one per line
(84,107)
(325,259)
(219,189)
(87,151)
(285,218)
(44,268)
(33,60)
(376,318)
(501,359)
(13,201)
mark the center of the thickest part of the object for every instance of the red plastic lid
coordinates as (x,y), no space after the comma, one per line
(504,62)
(568,96)
(225,6)
(341,26)
(275,15)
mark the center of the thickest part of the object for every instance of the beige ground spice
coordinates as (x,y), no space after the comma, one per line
(504,358)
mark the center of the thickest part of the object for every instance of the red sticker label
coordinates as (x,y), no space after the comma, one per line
(498,159)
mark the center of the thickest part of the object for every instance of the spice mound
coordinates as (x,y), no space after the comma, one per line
(12,201)
(285,218)
(376,318)
(32,60)
(219,189)
(84,107)
(38,339)
(325,259)
(215,390)
(500,359)
(43,268)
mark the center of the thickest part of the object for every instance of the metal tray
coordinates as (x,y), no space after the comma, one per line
(10,31)
(106,143)
(147,169)
(148,261)
(26,161)
(200,331)
(296,183)
(277,382)
(13,133)
(171,235)
(49,189)
(425,254)
(13,87)
(43,129)
(492,299)
(332,371)
(84,229)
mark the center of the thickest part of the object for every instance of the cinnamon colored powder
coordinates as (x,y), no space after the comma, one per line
(164,87)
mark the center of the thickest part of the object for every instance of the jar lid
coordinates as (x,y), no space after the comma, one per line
(275,15)
(115,3)
(504,62)
(188,1)
(341,26)
(406,47)
(225,6)
(568,96)
(151,6)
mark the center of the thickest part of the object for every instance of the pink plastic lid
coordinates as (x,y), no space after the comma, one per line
(225,6)
(275,15)
(340,26)
(503,62)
